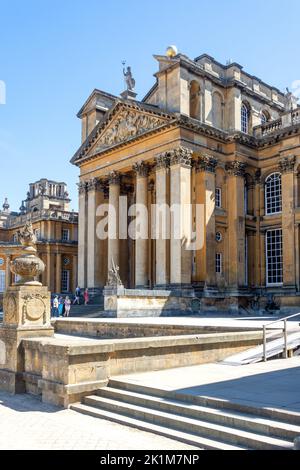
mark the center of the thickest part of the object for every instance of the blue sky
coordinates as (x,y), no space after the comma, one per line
(54,53)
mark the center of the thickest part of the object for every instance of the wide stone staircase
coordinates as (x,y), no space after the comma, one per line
(203,422)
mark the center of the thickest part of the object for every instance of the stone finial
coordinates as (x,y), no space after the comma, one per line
(142,169)
(181,156)
(114,177)
(6,205)
(82,187)
(235,168)
(287,164)
(206,163)
(162,161)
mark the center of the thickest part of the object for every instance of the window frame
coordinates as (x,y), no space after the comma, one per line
(218,263)
(267,211)
(219,192)
(273,284)
(244,116)
(67,280)
(65,230)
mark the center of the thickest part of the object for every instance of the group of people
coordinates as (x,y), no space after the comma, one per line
(61,306)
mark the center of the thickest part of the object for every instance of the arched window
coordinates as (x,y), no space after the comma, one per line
(195,99)
(245,118)
(273,200)
(264,117)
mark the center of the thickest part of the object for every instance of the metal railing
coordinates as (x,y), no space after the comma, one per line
(284,331)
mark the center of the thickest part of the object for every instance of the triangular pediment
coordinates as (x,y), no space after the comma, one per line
(127,124)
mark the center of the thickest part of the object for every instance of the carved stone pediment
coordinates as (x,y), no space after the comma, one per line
(126,125)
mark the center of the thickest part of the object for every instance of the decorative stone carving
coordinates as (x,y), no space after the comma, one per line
(142,169)
(27,266)
(34,308)
(162,161)
(257,177)
(206,163)
(93,184)
(127,125)
(114,177)
(114,279)
(287,164)
(181,156)
(82,187)
(9,307)
(235,168)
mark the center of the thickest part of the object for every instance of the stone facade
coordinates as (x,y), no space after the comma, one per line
(205,134)
(56,228)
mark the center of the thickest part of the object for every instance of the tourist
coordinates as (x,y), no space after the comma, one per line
(77,295)
(61,306)
(55,306)
(86,296)
(67,306)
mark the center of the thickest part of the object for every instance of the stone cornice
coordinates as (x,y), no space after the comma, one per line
(287,164)
(142,169)
(181,156)
(206,163)
(235,168)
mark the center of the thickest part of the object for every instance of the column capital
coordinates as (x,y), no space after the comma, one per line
(82,187)
(104,187)
(287,164)
(235,168)
(181,156)
(114,177)
(93,184)
(162,161)
(142,169)
(206,163)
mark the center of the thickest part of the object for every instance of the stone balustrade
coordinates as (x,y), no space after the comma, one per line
(42,215)
(291,118)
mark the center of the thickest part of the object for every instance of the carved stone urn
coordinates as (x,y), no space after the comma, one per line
(28,266)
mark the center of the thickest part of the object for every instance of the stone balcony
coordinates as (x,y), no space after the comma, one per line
(289,119)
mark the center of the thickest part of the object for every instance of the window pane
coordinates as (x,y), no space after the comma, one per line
(274,256)
(273,194)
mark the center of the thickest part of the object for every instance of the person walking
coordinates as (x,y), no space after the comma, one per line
(77,295)
(86,296)
(67,306)
(55,306)
(61,306)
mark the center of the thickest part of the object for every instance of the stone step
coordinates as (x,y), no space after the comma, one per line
(189,425)
(234,419)
(187,438)
(282,415)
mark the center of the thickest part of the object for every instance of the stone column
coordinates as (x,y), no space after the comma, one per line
(82,235)
(236,224)
(58,274)
(286,167)
(74,273)
(113,220)
(92,258)
(205,195)
(7,272)
(180,197)
(258,211)
(161,223)
(141,243)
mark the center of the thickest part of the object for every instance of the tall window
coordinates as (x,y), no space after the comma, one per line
(219,263)
(245,118)
(2,281)
(65,235)
(274,257)
(273,200)
(65,281)
(218,198)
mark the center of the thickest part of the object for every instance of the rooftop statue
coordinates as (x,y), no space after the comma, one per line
(26,235)
(130,81)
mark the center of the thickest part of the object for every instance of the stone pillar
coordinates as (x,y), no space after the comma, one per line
(82,235)
(113,220)
(74,272)
(258,210)
(205,195)
(92,243)
(48,267)
(180,197)
(161,225)
(7,272)
(58,274)
(141,243)
(286,167)
(236,224)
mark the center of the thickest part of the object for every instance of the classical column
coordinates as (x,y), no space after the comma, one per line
(82,234)
(205,196)
(74,273)
(141,242)
(180,199)
(92,258)
(113,251)
(236,223)
(258,203)
(286,167)
(161,222)
(7,272)
(58,273)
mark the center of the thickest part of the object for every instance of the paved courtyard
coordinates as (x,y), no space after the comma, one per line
(26,423)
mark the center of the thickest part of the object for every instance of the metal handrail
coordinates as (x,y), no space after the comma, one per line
(284,331)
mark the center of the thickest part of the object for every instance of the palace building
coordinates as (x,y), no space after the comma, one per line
(209,134)
(48,207)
